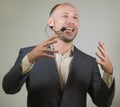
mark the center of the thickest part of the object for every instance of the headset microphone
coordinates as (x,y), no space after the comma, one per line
(51,27)
(61,30)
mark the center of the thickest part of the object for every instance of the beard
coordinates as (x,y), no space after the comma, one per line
(66,38)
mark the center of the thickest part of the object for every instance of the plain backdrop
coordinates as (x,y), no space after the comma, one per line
(22,24)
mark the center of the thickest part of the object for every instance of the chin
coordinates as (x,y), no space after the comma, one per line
(69,39)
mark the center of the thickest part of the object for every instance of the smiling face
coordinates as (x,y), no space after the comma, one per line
(65,15)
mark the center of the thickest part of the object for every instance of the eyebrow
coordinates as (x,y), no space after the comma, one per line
(67,13)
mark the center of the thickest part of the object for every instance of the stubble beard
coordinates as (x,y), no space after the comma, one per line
(65,39)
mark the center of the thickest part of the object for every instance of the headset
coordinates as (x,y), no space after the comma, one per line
(51,27)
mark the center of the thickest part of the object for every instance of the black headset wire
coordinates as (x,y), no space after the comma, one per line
(52,47)
(46,30)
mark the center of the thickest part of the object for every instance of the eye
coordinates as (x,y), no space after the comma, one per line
(75,17)
(65,16)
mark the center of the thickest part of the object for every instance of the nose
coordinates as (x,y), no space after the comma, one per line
(70,20)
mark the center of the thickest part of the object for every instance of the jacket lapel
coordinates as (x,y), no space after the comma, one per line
(51,64)
(73,66)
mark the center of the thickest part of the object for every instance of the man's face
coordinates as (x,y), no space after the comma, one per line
(66,16)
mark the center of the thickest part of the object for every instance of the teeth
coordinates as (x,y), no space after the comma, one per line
(70,29)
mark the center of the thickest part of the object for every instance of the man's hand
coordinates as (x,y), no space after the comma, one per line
(42,50)
(104,59)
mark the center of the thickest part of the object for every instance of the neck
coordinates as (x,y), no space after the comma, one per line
(62,46)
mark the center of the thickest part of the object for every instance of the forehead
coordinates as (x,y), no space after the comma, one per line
(66,8)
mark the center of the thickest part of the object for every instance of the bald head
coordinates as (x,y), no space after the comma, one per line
(60,5)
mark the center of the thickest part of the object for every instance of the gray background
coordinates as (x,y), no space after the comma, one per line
(22,23)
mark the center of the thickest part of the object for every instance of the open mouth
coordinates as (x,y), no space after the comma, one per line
(69,29)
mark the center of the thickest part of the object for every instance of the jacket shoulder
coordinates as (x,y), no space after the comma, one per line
(83,54)
(25,50)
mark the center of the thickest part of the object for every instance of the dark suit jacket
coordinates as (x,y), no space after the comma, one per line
(43,83)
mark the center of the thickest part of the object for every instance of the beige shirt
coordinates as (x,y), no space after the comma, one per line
(63,64)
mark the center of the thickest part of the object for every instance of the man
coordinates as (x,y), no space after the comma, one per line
(56,73)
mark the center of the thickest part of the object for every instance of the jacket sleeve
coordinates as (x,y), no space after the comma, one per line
(101,95)
(14,80)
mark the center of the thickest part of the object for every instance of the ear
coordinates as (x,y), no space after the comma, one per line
(50,21)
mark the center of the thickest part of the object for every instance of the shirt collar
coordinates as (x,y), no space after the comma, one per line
(69,51)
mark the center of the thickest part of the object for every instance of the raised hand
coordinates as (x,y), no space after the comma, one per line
(104,59)
(42,50)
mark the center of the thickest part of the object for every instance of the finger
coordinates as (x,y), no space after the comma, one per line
(98,61)
(102,45)
(49,55)
(50,42)
(101,51)
(50,50)
(51,38)
(46,43)
(100,56)
(101,48)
